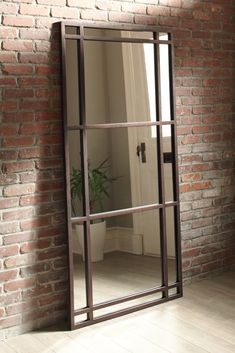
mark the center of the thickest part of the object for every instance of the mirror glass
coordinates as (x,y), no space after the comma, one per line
(170,234)
(119,82)
(72,82)
(123,168)
(168,162)
(165,82)
(131,260)
(115,33)
(76,177)
(78,267)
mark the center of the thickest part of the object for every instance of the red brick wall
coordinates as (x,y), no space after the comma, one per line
(33,266)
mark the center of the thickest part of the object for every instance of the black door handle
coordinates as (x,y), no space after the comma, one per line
(141,151)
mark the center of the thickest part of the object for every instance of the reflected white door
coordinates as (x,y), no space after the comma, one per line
(140,105)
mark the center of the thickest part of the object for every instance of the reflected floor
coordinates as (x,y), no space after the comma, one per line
(119,274)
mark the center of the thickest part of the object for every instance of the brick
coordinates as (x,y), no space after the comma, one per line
(171,22)
(18,93)
(201,129)
(191,139)
(20,307)
(34,58)
(8,203)
(33,81)
(19,284)
(8,130)
(52,139)
(38,128)
(134,8)
(35,10)
(18,190)
(181,13)
(35,269)
(49,2)
(210,266)
(58,275)
(51,254)
(7,251)
(8,275)
(18,238)
(158,10)
(8,106)
(121,17)
(103,5)
(8,8)
(6,179)
(28,247)
(18,21)
(82,3)
(8,33)
(191,253)
(146,20)
(191,177)
(18,117)
(202,15)
(34,152)
(13,167)
(17,45)
(201,223)
(173,3)
(19,214)
(10,321)
(35,223)
(20,260)
(34,105)
(65,12)
(202,185)
(9,227)
(18,141)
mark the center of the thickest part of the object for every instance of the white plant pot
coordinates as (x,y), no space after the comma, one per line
(98,232)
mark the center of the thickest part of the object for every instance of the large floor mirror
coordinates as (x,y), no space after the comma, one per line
(121,170)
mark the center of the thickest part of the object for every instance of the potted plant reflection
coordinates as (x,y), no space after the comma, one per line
(99,184)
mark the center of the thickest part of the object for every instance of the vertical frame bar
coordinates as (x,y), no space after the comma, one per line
(160,161)
(175,170)
(84,168)
(67,183)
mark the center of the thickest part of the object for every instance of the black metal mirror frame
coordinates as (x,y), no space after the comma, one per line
(87,217)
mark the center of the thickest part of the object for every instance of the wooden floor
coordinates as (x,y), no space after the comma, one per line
(119,274)
(202,321)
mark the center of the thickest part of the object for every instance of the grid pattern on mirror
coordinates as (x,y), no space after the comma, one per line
(77,34)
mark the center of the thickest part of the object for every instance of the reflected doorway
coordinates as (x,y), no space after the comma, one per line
(121,171)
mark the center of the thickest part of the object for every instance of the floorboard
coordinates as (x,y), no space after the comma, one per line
(203,321)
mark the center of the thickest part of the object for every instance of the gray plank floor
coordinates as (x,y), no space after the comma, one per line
(203,321)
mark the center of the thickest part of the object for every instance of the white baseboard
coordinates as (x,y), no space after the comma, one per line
(117,239)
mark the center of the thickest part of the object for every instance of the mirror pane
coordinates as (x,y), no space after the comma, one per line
(168,162)
(170,233)
(78,267)
(128,260)
(122,168)
(163,36)
(115,33)
(119,82)
(71,30)
(165,82)
(76,179)
(72,79)
(78,319)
